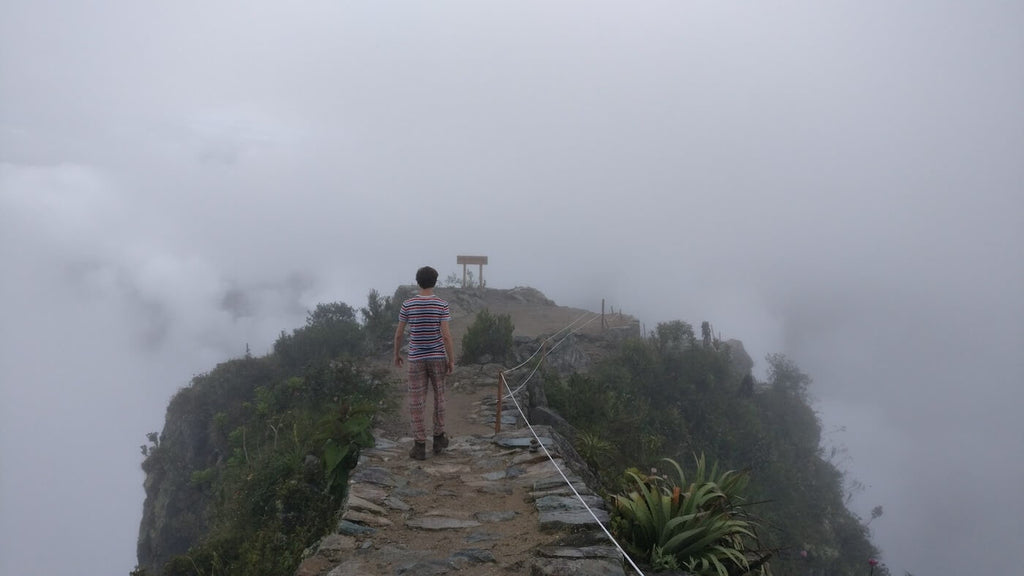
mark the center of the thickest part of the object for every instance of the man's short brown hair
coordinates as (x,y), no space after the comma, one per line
(426,277)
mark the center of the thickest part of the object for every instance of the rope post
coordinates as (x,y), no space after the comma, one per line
(501,392)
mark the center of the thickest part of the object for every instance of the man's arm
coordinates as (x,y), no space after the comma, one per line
(449,350)
(399,332)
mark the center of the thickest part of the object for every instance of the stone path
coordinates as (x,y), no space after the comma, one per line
(488,505)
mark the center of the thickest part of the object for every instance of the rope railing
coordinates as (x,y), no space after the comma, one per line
(511,395)
(547,352)
(548,339)
(573,488)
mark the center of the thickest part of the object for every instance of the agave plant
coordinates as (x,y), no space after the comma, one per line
(698,523)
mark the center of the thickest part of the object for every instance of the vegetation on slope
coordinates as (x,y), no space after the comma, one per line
(670,395)
(255,454)
(249,469)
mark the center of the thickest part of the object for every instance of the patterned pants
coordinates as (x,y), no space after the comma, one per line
(420,374)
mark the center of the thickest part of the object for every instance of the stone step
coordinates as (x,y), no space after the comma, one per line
(565,520)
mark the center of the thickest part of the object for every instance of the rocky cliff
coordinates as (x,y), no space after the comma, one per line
(177,512)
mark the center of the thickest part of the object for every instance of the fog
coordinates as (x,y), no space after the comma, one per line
(840,182)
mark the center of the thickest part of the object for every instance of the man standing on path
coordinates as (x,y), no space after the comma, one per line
(431,358)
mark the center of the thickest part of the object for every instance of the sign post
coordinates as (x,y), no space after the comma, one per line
(466,260)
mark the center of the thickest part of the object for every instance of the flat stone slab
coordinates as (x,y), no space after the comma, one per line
(364,518)
(424,568)
(475,537)
(395,503)
(495,516)
(468,556)
(376,475)
(460,513)
(488,463)
(523,442)
(555,482)
(529,457)
(494,488)
(381,455)
(440,523)
(565,567)
(483,485)
(446,469)
(382,443)
(610,552)
(563,490)
(368,492)
(360,505)
(407,492)
(564,520)
(353,529)
(570,503)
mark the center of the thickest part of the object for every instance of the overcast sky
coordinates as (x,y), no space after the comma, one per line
(842,182)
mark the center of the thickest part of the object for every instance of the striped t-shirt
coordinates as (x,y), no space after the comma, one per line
(424,315)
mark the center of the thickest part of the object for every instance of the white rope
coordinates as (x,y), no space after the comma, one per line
(573,488)
(548,353)
(548,339)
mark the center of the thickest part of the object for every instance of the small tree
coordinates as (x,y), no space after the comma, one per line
(785,376)
(488,335)
(379,317)
(675,335)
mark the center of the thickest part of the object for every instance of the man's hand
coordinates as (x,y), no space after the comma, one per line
(398,343)
(451,366)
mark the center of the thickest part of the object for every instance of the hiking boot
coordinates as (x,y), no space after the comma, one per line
(419,451)
(440,443)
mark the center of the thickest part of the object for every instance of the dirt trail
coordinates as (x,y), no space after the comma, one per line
(486,505)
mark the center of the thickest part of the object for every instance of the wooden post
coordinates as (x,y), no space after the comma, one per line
(603,324)
(501,394)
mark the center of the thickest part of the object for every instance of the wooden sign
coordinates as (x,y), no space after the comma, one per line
(469,260)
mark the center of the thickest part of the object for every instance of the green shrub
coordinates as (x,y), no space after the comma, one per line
(488,335)
(331,331)
(379,319)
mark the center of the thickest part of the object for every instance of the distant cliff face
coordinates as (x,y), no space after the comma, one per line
(177,510)
(174,514)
